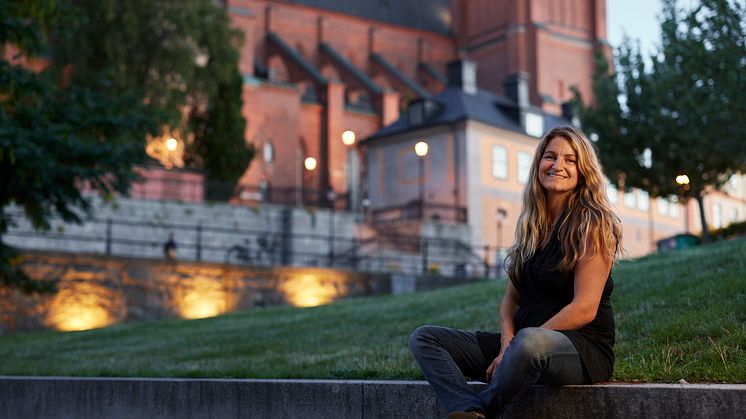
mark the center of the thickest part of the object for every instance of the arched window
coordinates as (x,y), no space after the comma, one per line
(268,152)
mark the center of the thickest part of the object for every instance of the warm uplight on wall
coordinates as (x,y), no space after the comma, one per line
(202,297)
(83,305)
(311,289)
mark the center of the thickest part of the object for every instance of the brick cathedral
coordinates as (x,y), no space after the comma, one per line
(314,69)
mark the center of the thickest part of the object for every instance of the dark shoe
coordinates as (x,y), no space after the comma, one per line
(466,415)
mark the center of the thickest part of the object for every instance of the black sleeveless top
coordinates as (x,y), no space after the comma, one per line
(544,291)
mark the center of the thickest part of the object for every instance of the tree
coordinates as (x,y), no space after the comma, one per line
(180,56)
(114,72)
(56,138)
(682,114)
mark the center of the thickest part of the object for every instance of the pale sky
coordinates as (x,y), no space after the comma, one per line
(638,19)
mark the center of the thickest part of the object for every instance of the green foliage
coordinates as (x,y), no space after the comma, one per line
(732,230)
(216,129)
(685,108)
(117,71)
(56,138)
(679,315)
(179,56)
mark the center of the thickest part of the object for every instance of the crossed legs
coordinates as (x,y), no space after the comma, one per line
(535,355)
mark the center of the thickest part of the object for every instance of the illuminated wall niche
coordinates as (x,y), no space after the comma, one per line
(201,297)
(309,289)
(83,303)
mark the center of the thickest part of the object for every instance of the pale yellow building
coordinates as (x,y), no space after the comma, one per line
(480,147)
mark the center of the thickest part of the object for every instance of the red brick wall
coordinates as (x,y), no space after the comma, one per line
(272,114)
(550,39)
(553,40)
(276,113)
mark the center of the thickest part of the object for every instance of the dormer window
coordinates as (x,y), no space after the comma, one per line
(534,124)
(420,111)
(416,113)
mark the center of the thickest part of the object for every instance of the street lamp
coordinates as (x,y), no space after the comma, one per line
(683,181)
(501,215)
(420,149)
(330,195)
(348,139)
(310,163)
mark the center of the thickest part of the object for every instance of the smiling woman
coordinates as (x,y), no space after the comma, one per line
(556,320)
(558,174)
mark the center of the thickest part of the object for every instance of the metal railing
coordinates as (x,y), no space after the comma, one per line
(261,247)
(293,196)
(417,209)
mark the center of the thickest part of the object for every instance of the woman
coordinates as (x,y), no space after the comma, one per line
(556,320)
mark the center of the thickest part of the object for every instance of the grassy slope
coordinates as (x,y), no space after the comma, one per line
(679,315)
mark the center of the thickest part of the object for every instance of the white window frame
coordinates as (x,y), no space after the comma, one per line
(643,200)
(612,193)
(499,162)
(661,205)
(673,206)
(629,199)
(268,152)
(524,166)
(717,215)
(534,124)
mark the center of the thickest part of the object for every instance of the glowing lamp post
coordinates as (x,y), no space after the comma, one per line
(348,139)
(310,164)
(420,149)
(683,182)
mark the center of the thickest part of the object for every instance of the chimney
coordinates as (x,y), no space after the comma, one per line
(516,88)
(463,74)
(570,112)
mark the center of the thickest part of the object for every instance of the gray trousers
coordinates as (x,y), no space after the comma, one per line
(535,355)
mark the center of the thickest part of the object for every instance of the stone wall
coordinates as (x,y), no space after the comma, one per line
(274,235)
(97,291)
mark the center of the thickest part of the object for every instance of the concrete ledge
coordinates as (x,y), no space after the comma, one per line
(71,397)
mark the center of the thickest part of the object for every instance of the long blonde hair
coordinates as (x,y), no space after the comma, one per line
(590,226)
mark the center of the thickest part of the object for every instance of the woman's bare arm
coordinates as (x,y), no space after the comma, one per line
(590,278)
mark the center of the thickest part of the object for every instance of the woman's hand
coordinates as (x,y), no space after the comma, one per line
(495,363)
(508,307)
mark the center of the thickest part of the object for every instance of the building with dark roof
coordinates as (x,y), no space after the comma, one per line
(478,80)
(316,68)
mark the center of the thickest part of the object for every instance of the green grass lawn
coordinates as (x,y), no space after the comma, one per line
(680,315)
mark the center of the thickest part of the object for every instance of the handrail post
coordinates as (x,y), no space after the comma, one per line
(424,256)
(199,241)
(486,261)
(108,237)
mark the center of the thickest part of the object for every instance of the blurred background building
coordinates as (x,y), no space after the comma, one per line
(396,125)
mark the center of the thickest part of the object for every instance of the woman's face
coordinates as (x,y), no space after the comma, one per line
(558,167)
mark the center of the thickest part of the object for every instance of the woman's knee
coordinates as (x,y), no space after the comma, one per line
(421,336)
(535,342)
